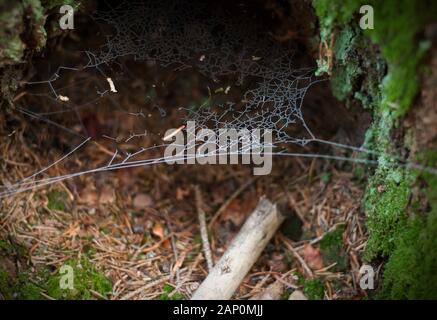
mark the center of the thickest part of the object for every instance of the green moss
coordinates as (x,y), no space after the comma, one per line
(5,247)
(167,289)
(25,286)
(11,46)
(388,84)
(286,294)
(23,27)
(57,200)
(387,192)
(29,285)
(50,4)
(6,291)
(386,202)
(36,12)
(332,13)
(86,278)
(410,271)
(332,248)
(314,289)
(333,239)
(396,23)
(28,288)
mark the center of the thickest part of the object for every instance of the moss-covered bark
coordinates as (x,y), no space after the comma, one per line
(379,68)
(22,35)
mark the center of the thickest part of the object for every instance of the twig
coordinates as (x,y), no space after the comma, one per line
(173,245)
(203,229)
(149,285)
(242,253)
(297,255)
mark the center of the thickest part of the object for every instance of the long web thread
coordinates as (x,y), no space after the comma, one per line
(188,35)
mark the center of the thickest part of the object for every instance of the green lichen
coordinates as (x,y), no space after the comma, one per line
(353,77)
(23,27)
(36,13)
(11,46)
(333,13)
(346,71)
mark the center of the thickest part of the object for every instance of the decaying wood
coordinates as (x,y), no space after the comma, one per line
(242,253)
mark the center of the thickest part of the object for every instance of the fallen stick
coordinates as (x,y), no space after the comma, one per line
(203,230)
(227,274)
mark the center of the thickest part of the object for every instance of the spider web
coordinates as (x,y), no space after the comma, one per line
(208,39)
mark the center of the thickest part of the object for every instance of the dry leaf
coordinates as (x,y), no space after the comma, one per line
(166,244)
(72,229)
(111,85)
(312,257)
(107,196)
(88,197)
(277,263)
(142,201)
(234,213)
(181,193)
(158,231)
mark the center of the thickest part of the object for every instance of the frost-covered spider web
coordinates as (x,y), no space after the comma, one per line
(232,49)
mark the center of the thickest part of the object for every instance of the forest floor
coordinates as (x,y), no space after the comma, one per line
(140,228)
(134,233)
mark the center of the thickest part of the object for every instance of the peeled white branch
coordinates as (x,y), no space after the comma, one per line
(242,253)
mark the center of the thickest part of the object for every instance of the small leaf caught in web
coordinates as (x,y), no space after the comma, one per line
(173,133)
(111,85)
